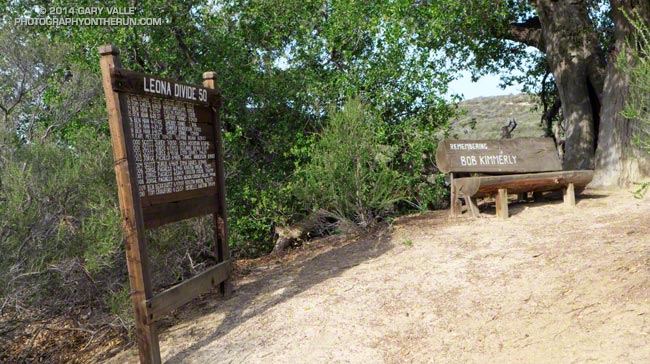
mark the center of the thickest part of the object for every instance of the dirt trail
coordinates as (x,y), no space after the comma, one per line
(549,285)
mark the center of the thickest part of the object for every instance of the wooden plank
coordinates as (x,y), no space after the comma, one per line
(532,183)
(178,196)
(518,183)
(220,216)
(158,215)
(538,184)
(202,123)
(517,155)
(142,84)
(132,223)
(569,195)
(204,115)
(174,148)
(502,203)
(182,293)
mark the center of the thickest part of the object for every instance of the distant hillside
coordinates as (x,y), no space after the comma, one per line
(492,113)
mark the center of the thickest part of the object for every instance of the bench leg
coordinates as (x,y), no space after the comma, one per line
(569,195)
(456,206)
(537,196)
(453,205)
(502,203)
(471,206)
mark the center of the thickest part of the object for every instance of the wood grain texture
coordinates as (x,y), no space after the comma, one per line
(153,211)
(174,297)
(569,195)
(519,183)
(134,83)
(132,223)
(220,216)
(161,214)
(472,207)
(502,203)
(177,196)
(517,155)
(160,209)
(455,204)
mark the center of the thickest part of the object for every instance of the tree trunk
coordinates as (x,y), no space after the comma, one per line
(618,161)
(577,63)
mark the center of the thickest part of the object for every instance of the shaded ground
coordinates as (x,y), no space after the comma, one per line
(549,285)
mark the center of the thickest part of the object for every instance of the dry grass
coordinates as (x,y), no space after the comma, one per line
(492,113)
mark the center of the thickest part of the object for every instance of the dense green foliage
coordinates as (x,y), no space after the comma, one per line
(328,104)
(350,172)
(286,70)
(362,169)
(58,208)
(638,69)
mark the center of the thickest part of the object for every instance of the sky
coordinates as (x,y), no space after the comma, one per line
(485,86)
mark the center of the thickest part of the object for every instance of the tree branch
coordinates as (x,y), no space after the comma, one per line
(528,33)
(186,50)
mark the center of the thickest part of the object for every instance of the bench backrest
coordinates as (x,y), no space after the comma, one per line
(517,155)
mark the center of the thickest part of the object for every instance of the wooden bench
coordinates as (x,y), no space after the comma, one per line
(480,168)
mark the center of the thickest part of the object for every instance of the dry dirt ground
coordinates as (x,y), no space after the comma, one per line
(549,285)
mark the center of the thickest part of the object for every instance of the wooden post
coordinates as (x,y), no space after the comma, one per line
(220,217)
(502,203)
(132,222)
(455,204)
(471,206)
(569,195)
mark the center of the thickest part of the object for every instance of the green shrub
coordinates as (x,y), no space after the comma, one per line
(637,106)
(59,214)
(61,234)
(350,173)
(638,70)
(415,142)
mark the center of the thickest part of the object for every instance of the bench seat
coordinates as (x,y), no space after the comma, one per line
(519,183)
(480,168)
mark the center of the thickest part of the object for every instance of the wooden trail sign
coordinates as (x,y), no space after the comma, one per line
(518,165)
(168,154)
(518,155)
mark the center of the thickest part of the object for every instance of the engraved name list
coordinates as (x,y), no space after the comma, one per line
(172,152)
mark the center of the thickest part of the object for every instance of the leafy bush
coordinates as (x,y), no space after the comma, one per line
(59,213)
(61,234)
(415,142)
(350,173)
(637,106)
(638,69)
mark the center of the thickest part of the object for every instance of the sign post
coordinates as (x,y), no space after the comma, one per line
(168,154)
(220,217)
